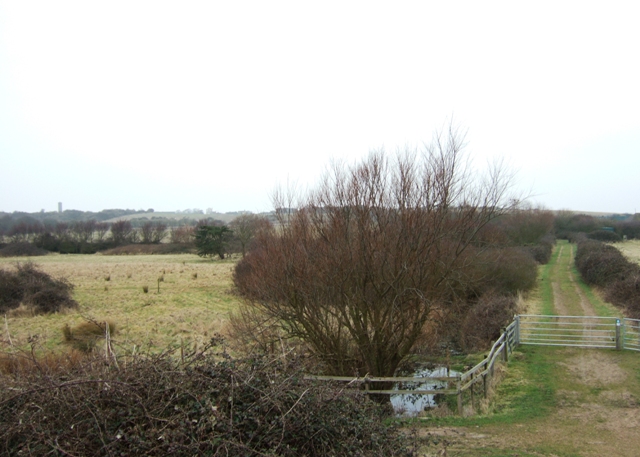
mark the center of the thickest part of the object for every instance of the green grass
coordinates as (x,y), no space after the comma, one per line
(526,392)
(533,407)
(544,283)
(186,309)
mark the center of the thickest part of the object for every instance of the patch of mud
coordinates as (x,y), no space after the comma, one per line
(587,307)
(453,432)
(558,300)
(595,369)
(567,397)
(622,399)
(603,417)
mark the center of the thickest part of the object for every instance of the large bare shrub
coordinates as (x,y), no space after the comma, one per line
(356,269)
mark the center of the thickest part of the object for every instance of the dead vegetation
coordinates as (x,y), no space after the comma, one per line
(28,288)
(204,403)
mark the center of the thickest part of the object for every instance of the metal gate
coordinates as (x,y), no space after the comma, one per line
(631,339)
(578,331)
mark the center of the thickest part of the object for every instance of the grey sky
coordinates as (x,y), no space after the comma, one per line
(174,105)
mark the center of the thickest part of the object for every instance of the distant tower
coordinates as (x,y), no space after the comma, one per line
(59,207)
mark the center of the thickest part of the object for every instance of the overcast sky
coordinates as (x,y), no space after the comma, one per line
(175,105)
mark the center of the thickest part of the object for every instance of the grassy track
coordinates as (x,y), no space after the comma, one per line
(561,402)
(193,303)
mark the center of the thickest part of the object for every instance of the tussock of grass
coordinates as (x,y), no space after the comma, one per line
(85,335)
(185,308)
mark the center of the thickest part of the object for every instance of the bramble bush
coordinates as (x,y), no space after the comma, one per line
(485,320)
(541,252)
(626,293)
(204,404)
(34,288)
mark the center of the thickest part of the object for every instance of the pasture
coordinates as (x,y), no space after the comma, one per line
(631,249)
(193,303)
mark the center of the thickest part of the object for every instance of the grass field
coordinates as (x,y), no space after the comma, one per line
(631,249)
(193,303)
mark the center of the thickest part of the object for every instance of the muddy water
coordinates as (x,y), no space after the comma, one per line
(409,405)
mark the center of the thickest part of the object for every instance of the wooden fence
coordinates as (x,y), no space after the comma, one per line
(456,385)
(529,329)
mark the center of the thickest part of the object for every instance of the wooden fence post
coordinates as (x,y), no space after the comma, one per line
(459,396)
(472,392)
(484,381)
(505,350)
(619,342)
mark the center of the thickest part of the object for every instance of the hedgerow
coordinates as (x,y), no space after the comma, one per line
(200,405)
(603,265)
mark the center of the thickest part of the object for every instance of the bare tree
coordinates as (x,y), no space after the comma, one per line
(146,232)
(61,231)
(527,225)
(122,231)
(360,266)
(245,228)
(159,232)
(182,234)
(101,230)
(82,231)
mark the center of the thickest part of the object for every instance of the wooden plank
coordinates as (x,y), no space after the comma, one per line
(414,392)
(418,380)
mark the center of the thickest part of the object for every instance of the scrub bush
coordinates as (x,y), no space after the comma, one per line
(34,288)
(23,249)
(599,263)
(604,235)
(485,320)
(201,405)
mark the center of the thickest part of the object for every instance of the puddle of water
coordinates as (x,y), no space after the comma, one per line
(410,405)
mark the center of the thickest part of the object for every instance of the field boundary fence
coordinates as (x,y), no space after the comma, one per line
(475,380)
(525,329)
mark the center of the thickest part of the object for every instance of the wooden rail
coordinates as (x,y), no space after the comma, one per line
(456,385)
(578,331)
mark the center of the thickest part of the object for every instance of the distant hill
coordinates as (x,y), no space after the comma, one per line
(225,217)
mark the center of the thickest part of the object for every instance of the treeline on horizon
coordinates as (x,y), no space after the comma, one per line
(73,215)
(86,232)
(23,226)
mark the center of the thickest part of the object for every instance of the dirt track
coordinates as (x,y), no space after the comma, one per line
(596,404)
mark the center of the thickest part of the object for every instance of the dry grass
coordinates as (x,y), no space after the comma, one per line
(193,303)
(631,249)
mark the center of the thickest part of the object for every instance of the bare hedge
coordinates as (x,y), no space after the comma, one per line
(22,250)
(600,264)
(604,266)
(158,406)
